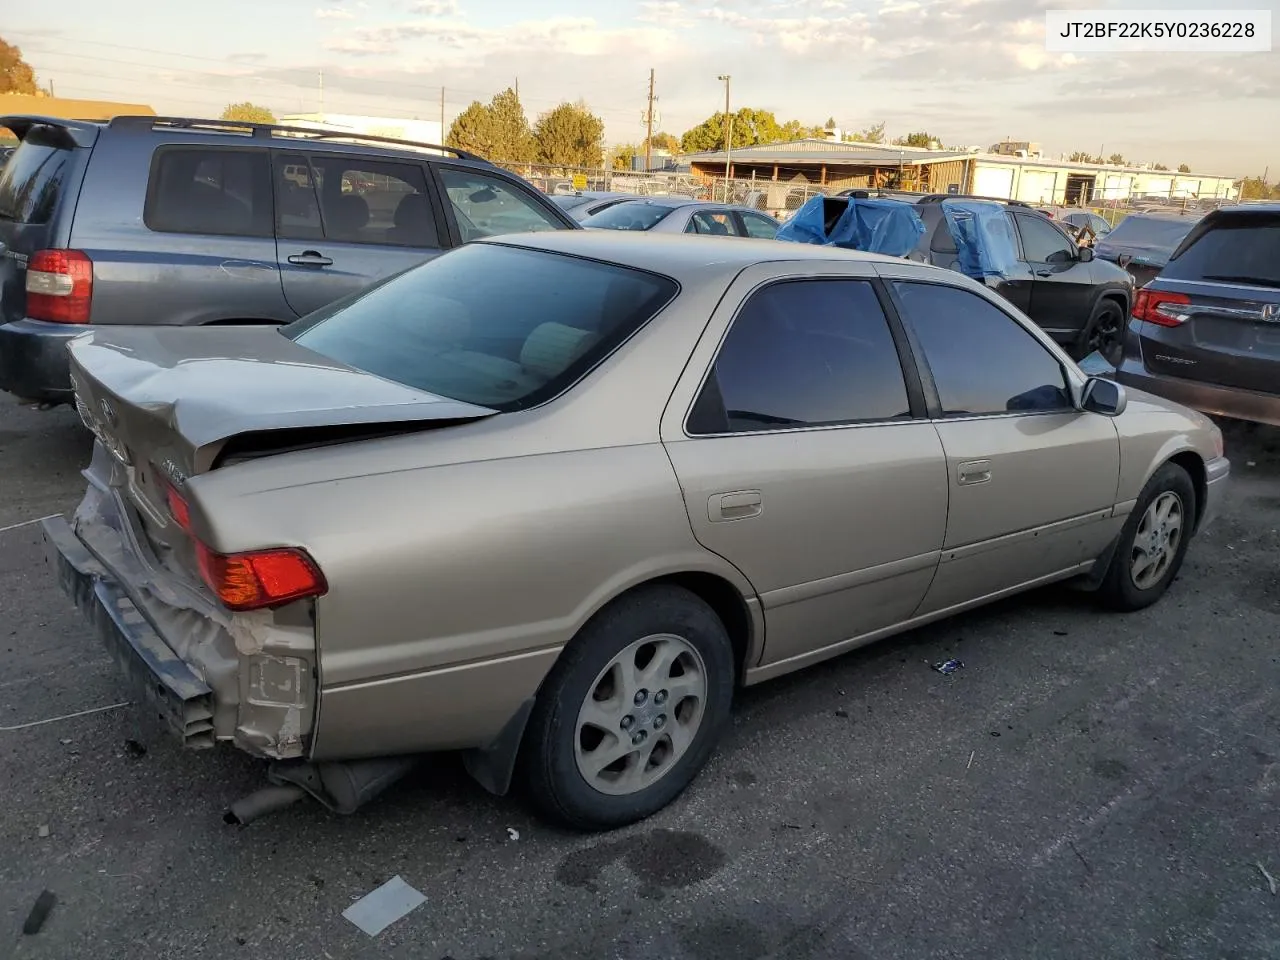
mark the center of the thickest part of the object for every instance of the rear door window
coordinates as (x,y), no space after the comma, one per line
(759,226)
(32,180)
(714,222)
(209,190)
(487,206)
(353,200)
(1235,248)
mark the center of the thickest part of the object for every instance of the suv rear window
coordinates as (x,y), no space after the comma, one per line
(1233,248)
(31,181)
(446,327)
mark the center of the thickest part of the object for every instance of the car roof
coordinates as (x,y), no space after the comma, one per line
(685,258)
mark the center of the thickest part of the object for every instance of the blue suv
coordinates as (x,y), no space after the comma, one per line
(171,221)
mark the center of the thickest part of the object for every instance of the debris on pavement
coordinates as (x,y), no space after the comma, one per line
(972,754)
(1271,881)
(39,913)
(948,667)
(376,911)
(513,833)
(842,714)
(134,748)
(43,831)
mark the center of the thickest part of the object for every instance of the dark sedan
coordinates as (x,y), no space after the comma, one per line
(1143,242)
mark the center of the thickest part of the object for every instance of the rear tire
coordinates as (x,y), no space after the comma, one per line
(1152,543)
(630,712)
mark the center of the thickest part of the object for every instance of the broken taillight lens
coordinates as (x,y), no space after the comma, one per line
(260,578)
(178,508)
(1161,308)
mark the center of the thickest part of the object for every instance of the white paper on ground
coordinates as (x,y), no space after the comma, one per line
(376,911)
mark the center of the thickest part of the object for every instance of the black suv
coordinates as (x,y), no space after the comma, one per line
(1081,302)
(1206,331)
(164,220)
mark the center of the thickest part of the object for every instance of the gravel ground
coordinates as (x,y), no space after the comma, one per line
(1089,785)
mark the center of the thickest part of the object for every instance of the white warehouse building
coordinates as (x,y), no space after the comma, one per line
(1037,180)
(398,128)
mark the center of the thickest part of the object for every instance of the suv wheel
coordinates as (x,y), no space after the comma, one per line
(1153,542)
(1104,333)
(631,711)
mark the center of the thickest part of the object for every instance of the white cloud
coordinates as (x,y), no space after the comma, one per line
(435,8)
(334,13)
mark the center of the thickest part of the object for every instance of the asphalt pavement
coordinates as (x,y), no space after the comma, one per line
(1088,785)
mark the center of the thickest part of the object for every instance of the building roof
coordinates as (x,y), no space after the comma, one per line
(816,150)
(16,104)
(1091,167)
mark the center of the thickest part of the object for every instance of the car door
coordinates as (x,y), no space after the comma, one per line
(481,204)
(343,222)
(1062,285)
(757,225)
(805,459)
(1032,479)
(714,222)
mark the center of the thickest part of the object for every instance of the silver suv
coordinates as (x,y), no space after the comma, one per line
(169,221)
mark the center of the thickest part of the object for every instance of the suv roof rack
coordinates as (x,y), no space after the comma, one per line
(271,129)
(935,197)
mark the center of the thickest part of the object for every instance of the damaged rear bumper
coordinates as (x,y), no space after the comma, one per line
(159,678)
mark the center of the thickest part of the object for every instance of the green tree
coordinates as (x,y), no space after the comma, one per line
(871,134)
(16,75)
(570,135)
(831,123)
(498,130)
(921,139)
(795,130)
(750,127)
(1117,159)
(622,155)
(666,141)
(1183,168)
(1255,188)
(248,112)
(1158,166)
(1080,156)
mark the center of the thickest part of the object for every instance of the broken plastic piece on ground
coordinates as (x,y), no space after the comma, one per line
(376,911)
(513,833)
(948,667)
(1096,365)
(39,913)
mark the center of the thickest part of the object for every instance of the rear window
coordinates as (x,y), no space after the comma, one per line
(1158,236)
(208,190)
(628,216)
(1234,248)
(32,180)
(446,327)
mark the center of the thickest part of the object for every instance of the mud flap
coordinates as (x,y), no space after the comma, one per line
(493,766)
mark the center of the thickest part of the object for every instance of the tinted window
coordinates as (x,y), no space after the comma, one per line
(211,191)
(982,360)
(353,201)
(1240,248)
(447,327)
(804,353)
(1044,243)
(632,215)
(759,226)
(570,202)
(717,223)
(31,181)
(487,206)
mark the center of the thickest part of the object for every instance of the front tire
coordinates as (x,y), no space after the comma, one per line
(1104,333)
(1153,542)
(631,711)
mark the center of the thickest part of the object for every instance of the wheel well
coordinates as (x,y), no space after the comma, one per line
(1119,299)
(725,600)
(1194,466)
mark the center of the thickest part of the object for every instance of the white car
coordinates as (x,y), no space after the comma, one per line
(683,215)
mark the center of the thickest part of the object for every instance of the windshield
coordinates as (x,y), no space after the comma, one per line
(633,215)
(1240,248)
(448,328)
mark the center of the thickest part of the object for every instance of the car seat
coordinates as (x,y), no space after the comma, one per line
(412,221)
(345,216)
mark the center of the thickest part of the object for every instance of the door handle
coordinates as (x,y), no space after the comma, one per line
(739,505)
(1044,273)
(310,258)
(973,471)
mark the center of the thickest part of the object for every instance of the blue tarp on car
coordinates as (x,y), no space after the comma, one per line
(983,237)
(873,225)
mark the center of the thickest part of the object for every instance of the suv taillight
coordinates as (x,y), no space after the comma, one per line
(1158,307)
(59,286)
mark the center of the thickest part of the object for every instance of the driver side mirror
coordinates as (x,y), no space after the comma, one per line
(1105,397)
(1086,254)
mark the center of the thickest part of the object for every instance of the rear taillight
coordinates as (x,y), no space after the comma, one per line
(59,286)
(1159,307)
(178,509)
(261,578)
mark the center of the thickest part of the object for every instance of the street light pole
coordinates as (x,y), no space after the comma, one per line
(728,135)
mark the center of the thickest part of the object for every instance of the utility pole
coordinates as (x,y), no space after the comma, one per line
(322,93)
(728,135)
(648,123)
(517,88)
(443,135)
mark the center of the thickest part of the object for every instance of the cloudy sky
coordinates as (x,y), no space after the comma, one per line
(968,71)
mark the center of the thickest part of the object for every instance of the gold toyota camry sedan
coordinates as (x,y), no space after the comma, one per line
(551,499)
